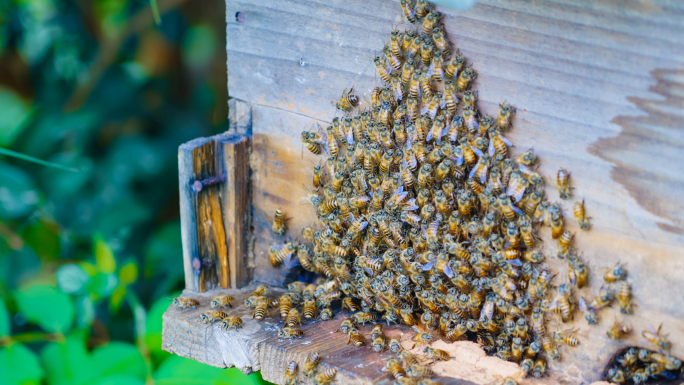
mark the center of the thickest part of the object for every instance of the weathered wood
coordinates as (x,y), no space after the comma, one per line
(256,346)
(225,209)
(598,88)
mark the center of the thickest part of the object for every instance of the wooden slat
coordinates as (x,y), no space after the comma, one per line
(598,86)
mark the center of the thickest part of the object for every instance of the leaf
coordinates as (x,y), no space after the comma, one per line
(155,12)
(71,278)
(128,273)
(4,319)
(85,310)
(117,298)
(180,370)
(34,301)
(164,251)
(15,112)
(118,358)
(20,366)
(102,285)
(43,237)
(119,379)
(17,192)
(104,257)
(199,45)
(28,158)
(153,327)
(67,363)
(61,184)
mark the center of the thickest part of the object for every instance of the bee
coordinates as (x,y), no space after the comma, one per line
(539,368)
(426,52)
(326,314)
(356,338)
(563,184)
(394,367)
(422,338)
(618,330)
(311,364)
(582,220)
(454,66)
(211,316)
(379,343)
(419,371)
(183,303)
(456,333)
(654,337)
(604,299)
(436,354)
(348,303)
(394,345)
(624,297)
(564,244)
(562,304)
(669,362)
(589,315)
(325,377)
(311,145)
(261,309)
(280,253)
(618,273)
(616,375)
(293,318)
(566,337)
(347,325)
(348,101)
(363,317)
(290,333)
(408,6)
(291,374)
(441,42)
(422,8)
(431,21)
(222,301)
(556,221)
(231,322)
(526,365)
(504,118)
(377,331)
(407,316)
(261,290)
(464,79)
(629,358)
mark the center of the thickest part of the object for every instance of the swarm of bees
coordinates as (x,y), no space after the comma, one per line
(425,218)
(310,371)
(638,365)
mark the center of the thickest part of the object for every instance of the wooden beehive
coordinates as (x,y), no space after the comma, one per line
(599,88)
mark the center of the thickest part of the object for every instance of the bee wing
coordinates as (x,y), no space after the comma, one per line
(517,210)
(448,272)
(508,142)
(483,177)
(474,170)
(429,265)
(410,205)
(514,262)
(442,102)
(459,157)
(279,246)
(363,225)
(525,169)
(398,92)
(513,184)
(519,194)
(431,70)
(492,150)
(352,216)
(429,134)
(477,151)
(290,262)
(350,135)
(424,109)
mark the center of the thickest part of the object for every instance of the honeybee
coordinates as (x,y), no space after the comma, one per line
(618,273)
(604,299)
(616,375)
(222,301)
(539,368)
(564,244)
(293,318)
(464,79)
(431,21)
(325,377)
(290,333)
(347,325)
(231,322)
(311,364)
(379,343)
(563,184)
(566,337)
(618,330)
(261,309)
(356,338)
(211,316)
(419,371)
(291,374)
(326,314)
(441,42)
(407,316)
(348,101)
(422,338)
(582,220)
(409,8)
(261,290)
(436,354)
(589,315)
(309,309)
(504,118)
(183,303)
(280,253)
(624,297)
(394,345)
(654,337)
(394,367)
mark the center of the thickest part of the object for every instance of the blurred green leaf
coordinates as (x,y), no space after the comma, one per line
(199,45)
(85,310)
(15,112)
(184,371)
(117,298)
(155,11)
(71,278)
(116,218)
(102,285)
(67,363)
(153,328)
(118,358)
(4,319)
(43,237)
(34,301)
(128,273)
(119,379)
(17,192)
(104,257)
(164,251)
(19,366)
(62,184)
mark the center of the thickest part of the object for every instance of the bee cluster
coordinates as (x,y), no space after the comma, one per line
(227,322)
(310,371)
(426,219)
(638,365)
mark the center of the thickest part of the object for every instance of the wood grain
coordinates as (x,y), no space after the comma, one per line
(598,87)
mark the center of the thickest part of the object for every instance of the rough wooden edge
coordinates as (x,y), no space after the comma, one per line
(236,205)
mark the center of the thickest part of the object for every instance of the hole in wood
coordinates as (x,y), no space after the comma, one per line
(633,365)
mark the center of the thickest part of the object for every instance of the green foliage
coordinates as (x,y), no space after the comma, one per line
(96,98)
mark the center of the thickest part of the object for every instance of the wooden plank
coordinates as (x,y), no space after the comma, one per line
(211,234)
(598,88)
(237,206)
